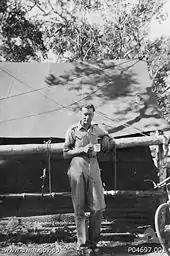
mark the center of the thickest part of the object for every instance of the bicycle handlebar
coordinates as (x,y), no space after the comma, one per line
(159,185)
(162,183)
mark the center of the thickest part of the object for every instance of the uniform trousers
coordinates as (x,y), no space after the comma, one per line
(86,190)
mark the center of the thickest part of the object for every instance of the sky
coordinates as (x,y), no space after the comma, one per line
(156,29)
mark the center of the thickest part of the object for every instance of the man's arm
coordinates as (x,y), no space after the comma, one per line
(108,142)
(72,152)
(68,150)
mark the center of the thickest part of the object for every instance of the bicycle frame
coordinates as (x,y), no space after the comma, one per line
(162,209)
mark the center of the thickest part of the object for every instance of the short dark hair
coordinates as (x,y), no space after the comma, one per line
(88,106)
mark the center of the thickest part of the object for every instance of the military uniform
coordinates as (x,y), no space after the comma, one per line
(85,181)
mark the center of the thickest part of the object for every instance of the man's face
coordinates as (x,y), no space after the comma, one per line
(86,116)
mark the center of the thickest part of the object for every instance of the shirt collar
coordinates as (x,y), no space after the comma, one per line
(81,127)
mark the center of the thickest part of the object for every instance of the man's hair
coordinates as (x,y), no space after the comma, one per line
(88,106)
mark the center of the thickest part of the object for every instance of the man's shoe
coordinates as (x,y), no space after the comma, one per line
(93,246)
(83,250)
(82,246)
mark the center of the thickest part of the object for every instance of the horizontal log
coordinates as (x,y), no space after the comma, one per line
(139,193)
(56,148)
(141,141)
(26,149)
(113,193)
(34,195)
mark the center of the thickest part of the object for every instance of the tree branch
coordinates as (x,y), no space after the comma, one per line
(39,7)
(89,49)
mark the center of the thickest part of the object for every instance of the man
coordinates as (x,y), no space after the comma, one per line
(84,175)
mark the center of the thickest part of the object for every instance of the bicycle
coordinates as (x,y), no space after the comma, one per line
(163,212)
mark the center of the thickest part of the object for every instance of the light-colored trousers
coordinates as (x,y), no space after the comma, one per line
(86,189)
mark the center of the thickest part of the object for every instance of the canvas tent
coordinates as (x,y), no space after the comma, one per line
(40,101)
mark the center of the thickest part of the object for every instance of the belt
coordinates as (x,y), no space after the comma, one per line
(88,156)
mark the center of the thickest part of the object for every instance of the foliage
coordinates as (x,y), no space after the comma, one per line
(161,87)
(21,40)
(71,30)
(77,29)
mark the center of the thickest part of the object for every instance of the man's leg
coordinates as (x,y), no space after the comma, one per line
(94,227)
(97,205)
(77,184)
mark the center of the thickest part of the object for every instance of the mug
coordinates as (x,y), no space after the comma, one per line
(97,147)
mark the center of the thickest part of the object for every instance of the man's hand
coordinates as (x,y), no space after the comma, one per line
(88,149)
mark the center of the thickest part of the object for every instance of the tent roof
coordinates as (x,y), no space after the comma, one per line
(42,99)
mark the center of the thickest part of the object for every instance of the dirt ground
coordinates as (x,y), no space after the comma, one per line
(108,248)
(22,237)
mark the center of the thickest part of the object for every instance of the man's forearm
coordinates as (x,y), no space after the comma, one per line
(112,142)
(73,152)
(108,143)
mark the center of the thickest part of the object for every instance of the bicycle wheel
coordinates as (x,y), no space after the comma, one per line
(161,227)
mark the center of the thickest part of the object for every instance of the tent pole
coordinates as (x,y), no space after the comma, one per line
(115,167)
(49,164)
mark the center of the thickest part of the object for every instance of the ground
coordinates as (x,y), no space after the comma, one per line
(49,237)
(106,248)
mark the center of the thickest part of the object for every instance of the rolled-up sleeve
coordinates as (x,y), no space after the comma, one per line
(69,140)
(108,142)
(101,132)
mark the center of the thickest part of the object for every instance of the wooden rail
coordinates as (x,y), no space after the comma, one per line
(57,148)
(113,193)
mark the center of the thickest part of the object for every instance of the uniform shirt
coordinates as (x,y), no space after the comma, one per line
(76,137)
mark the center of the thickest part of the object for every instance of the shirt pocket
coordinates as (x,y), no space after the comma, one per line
(93,138)
(80,139)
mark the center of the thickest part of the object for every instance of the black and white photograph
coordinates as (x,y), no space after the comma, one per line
(84,127)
